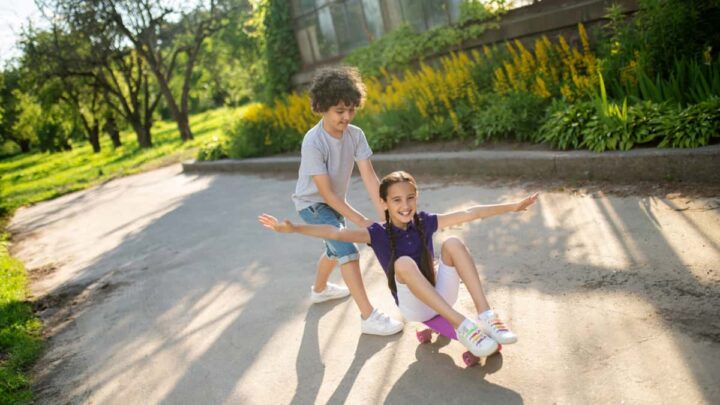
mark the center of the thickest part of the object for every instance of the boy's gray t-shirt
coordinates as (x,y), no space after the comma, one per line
(321,153)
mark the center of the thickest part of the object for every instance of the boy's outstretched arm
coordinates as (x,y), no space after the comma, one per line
(484,211)
(318,231)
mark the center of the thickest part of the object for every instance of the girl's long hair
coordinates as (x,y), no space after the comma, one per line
(426,263)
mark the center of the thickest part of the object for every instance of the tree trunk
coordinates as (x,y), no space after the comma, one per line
(143,134)
(112,131)
(24,145)
(179,116)
(94,137)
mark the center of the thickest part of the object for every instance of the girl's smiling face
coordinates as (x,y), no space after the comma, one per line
(401,203)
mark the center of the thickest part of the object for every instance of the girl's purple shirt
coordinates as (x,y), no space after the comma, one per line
(407,242)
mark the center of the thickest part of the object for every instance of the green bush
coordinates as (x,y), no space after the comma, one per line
(581,125)
(259,138)
(512,116)
(388,128)
(563,129)
(689,82)
(214,149)
(691,127)
(650,45)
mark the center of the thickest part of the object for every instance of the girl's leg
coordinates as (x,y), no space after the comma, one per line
(455,254)
(408,273)
(325,266)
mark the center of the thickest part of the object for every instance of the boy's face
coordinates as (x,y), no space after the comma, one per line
(337,118)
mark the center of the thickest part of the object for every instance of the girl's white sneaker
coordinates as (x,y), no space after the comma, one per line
(475,340)
(496,329)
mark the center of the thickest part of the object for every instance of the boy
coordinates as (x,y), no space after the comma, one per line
(327,155)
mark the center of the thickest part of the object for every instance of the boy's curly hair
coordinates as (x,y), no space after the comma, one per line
(333,85)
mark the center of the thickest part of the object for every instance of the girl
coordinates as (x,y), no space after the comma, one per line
(403,246)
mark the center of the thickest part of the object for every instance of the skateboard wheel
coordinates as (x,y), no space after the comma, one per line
(424,336)
(499,348)
(470,359)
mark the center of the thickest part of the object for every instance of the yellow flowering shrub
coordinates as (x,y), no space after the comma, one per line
(442,99)
(549,69)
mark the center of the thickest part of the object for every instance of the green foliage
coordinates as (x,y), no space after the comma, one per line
(213,149)
(563,129)
(257,138)
(689,82)
(31,177)
(691,127)
(397,50)
(282,54)
(20,339)
(582,125)
(512,116)
(388,128)
(661,33)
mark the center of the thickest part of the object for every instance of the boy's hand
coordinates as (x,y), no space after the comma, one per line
(270,222)
(526,202)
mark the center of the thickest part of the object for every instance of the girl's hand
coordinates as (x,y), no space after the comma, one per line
(270,222)
(526,202)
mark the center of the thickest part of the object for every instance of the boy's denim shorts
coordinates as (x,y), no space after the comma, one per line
(323,214)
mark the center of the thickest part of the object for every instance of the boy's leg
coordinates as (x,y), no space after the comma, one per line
(322,290)
(353,280)
(325,266)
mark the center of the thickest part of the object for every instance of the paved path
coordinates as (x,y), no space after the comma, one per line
(162,288)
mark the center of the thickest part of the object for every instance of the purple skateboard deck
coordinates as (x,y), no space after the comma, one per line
(441,326)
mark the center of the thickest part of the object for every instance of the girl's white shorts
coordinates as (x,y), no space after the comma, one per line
(447,284)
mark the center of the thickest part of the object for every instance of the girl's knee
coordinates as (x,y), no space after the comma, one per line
(453,242)
(404,265)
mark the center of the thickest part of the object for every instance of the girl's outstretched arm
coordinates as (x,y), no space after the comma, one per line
(484,211)
(318,231)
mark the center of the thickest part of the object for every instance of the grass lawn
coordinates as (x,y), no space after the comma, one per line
(35,177)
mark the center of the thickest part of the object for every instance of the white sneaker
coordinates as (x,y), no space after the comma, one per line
(496,329)
(380,324)
(477,342)
(331,292)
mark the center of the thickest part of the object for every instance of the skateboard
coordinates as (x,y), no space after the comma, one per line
(442,326)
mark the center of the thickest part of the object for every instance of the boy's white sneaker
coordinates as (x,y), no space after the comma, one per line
(475,340)
(380,324)
(331,292)
(496,329)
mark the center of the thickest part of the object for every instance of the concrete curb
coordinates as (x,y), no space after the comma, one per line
(699,165)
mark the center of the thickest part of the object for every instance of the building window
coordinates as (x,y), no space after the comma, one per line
(330,28)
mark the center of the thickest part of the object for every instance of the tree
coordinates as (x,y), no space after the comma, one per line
(282,54)
(147,25)
(97,72)
(12,108)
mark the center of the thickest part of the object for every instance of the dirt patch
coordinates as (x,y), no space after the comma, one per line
(61,307)
(38,273)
